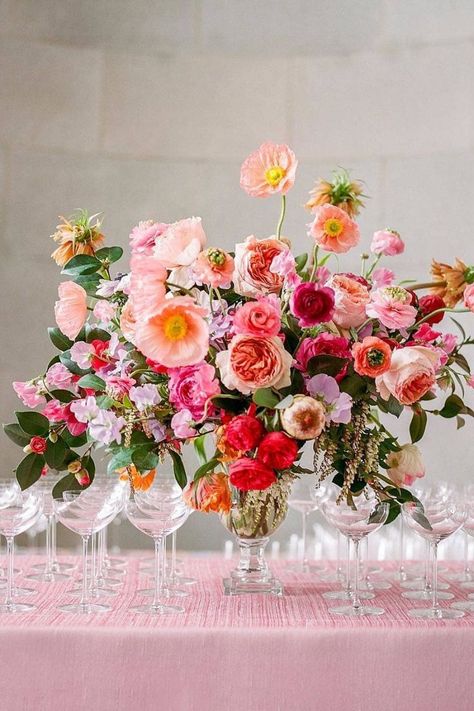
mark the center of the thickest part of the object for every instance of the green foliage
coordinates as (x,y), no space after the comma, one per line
(58,339)
(71,365)
(55,453)
(452,407)
(207,467)
(29,470)
(68,483)
(354,385)
(74,440)
(81,265)
(33,423)
(418,424)
(266,398)
(143,459)
(93,334)
(16,434)
(63,396)
(328,364)
(109,254)
(200,448)
(92,382)
(178,468)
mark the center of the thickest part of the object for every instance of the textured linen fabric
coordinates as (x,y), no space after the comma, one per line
(246,653)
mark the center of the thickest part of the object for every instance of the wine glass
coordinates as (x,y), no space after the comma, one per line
(356,523)
(435,524)
(157,515)
(304,499)
(87,513)
(467,605)
(18,512)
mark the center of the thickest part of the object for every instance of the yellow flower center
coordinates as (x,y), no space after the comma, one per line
(274,175)
(333,227)
(175,327)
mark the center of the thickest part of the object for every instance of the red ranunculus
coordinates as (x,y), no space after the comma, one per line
(429,303)
(38,445)
(99,346)
(244,432)
(312,304)
(250,474)
(327,344)
(156,367)
(277,450)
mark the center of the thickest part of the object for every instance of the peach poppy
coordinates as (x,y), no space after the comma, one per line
(268,170)
(214,267)
(147,285)
(71,309)
(128,323)
(333,230)
(181,243)
(176,335)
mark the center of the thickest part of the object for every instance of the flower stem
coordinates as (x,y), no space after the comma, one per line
(438,311)
(181,288)
(282,216)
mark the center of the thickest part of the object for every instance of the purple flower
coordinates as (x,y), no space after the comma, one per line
(181,424)
(86,409)
(312,304)
(106,427)
(338,405)
(157,429)
(144,396)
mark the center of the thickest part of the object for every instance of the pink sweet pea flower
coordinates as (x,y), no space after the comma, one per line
(268,170)
(181,424)
(106,427)
(425,334)
(58,376)
(284,265)
(119,385)
(387,242)
(382,277)
(86,409)
(54,411)
(391,306)
(144,396)
(71,309)
(104,311)
(81,353)
(29,393)
(448,342)
(469,297)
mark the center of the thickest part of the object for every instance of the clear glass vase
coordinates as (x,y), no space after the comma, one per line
(253,518)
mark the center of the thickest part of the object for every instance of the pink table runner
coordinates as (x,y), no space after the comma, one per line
(243,653)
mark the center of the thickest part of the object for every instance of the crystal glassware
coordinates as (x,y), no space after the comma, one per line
(18,512)
(303,499)
(435,523)
(467,605)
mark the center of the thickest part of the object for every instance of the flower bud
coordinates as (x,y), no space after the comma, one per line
(74,467)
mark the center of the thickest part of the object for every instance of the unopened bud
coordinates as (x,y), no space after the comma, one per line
(74,467)
(53,437)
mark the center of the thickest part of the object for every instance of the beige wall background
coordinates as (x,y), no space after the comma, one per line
(146,108)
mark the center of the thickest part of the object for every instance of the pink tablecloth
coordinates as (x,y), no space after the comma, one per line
(233,654)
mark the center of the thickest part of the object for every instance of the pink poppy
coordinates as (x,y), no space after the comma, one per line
(333,230)
(147,286)
(180,245)
(270,169)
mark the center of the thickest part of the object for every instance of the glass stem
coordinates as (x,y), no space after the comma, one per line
(9,597)
(304,539)
(172,574)
(100,564)
(355,592)
(338,564)
(49,545)
(53,541)
(159,549)
(348,567)
(434,548)
(93,563)
(428,570)
(467,569)
(401,568)
(85,587)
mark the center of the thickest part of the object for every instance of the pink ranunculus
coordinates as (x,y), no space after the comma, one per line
(104,311)
(268,170)
(29,393)
(382,277)
(387,242)
(58,376)
(254,362)
(253,275)
(182,242)
(192,387)
(54,411)
(351,299)
(147,286)
(181,424)
(412,373)
(258,318)
(333,230)
(392,307)
(469,297)
(144,236)
(214,267)
(312,304)
(323,344)
(71,309)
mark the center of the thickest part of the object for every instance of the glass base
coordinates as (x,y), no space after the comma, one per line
(157,609)
(88,608)
(165,592)
(425,595)
(299,566)
(23,592)
(420,584)
(56,567)
(95,593)
(466,605)
(182,580)
(47,577)
(467,585)
(345,595)
(16,607)
(375,585)
(428,613)
(362,611)
(245,586)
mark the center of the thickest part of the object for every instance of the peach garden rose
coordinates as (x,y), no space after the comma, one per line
(252,362)
(253,260)
(412,373)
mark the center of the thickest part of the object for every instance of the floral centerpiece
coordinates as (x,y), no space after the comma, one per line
(257,351)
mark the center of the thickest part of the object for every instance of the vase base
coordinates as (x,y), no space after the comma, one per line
(233,586)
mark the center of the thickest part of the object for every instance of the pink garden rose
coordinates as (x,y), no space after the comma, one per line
(469,297)
(258,318)
(387,242)
(351,298)
(254,362)
(253,275)
(268,170)
(71,309)
(333,229)
(144,236)
(323,344)
(406,465)
(180,245)
(392,307)
(192,387)
(411,375)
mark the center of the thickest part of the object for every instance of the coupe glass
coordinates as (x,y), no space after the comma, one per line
(356,524)
(303,498)
(86,513)
(435,524)
(18,512)
(467,605)
(157,513)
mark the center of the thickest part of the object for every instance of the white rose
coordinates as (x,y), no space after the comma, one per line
(406,465)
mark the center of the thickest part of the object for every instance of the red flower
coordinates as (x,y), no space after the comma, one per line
(277,450)
(244,432)
(97,362)
(327,344)
(312,304)
(38,445)
(250,474)
(156,367)
(429,303)
(75,427)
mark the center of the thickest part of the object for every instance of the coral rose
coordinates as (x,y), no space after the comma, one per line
(469,297)
(323,344)
(312,304)
(258,318)
(351,299)
(244,432)
(387,242)
(392,307)
(252,362)
(251,475)
(333,229)
(214,267)
(305,418)
(372,356)
(277,450)
(209,493)
(406,465)
(71,309)
(411,375)
(430,303)
(253,260)
(270,169)
(180,245)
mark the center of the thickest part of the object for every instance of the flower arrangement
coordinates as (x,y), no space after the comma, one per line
(258,350)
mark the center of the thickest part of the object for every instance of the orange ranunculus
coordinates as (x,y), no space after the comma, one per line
(209,493)
(372,357)
(78,235)
(140,482)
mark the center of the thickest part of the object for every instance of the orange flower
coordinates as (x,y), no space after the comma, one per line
(228,452)
(209,493)
(140,482)
(341,192)
(78,235)
(372,357)
(452,281)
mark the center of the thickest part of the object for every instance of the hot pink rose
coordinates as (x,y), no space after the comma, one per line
(392,307)
(192,387)
(387,242)
(412,373)
(258,318)
(333,229)
(469,297)
(253,260)
(180,245)
(351,299)
(144,236)
(324,344)
(254,362)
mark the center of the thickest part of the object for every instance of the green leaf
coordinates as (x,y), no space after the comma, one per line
(55,453)
(233,403)
(178,468)
(71,365)
(353,385)
(109,254)
(286,402)
(59,340)
(97,334)
(462,362)
(418,425)
(452,407)
(206,468)
(139,438)
(461,329)
(391,406)
(63,395)
(89,464)
(74,440)
(327,364)
(419,516)
(460,422)
(68,483)
(91,382)
(144,460)
(33,423)
(301,260)
(200,449)
(122,458)
(89,283)
(81,264)
(266,398)
(16,434)
(29,470)
(105,402)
